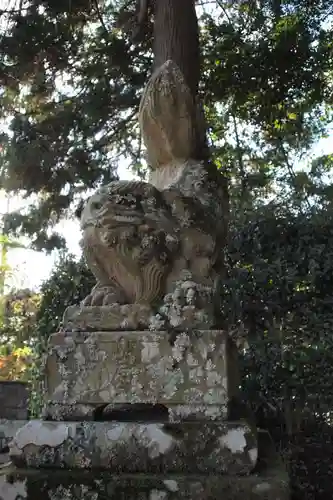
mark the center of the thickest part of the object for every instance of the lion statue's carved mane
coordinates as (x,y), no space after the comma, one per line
(129,239)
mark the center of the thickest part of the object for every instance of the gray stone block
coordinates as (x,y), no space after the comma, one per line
(14,397)
(269,481)
(192,374)
(127,447)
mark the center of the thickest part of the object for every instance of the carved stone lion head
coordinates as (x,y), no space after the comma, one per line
(129,239)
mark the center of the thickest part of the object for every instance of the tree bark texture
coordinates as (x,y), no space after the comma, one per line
(176,37)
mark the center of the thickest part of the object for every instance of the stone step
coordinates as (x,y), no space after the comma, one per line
(128,447)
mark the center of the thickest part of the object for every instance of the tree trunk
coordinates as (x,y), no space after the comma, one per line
(176,37)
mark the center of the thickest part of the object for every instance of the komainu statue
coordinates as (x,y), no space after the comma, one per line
(156,249)
(129,242)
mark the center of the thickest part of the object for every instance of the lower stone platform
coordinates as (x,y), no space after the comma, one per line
(269,481)
(128,447)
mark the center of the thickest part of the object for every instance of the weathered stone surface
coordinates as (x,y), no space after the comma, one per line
(269,481)
(189,447)
(14,400)
(168,117)
(12,490)
(188,374)
(105,318)
(128,241)
(153,254)
(171,488)
(65,485)
(159,488)
(156,249)
(8,429)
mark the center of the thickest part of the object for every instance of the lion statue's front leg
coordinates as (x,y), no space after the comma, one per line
(104,295)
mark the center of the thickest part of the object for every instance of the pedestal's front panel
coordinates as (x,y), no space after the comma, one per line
(85,370)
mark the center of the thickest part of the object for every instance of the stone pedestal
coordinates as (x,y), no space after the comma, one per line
(192,376)
(150,411)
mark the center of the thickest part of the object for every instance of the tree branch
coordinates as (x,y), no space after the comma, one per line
(100,17)
(240,161)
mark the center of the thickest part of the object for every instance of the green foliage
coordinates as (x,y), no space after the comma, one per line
(267,93)
(71,83)
(69,283)
(18,353)
(17,322)
(81,83)
(279,296)
(279,292)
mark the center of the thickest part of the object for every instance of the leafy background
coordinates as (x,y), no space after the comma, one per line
(70,83)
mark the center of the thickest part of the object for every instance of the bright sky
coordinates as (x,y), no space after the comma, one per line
(31,267)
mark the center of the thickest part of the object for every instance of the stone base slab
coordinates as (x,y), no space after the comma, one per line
(123,447)
(269,481)
(86,370)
